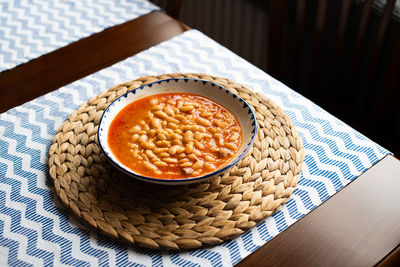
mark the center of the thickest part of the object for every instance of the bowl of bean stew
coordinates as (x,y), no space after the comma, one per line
(176,131)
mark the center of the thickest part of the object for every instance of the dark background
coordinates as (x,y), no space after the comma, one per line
(358,84)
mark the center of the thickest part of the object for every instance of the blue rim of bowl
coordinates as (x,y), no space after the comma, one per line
(183,180)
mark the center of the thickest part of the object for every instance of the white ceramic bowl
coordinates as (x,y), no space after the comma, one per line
(217,93)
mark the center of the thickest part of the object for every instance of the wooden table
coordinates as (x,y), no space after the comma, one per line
(359,226)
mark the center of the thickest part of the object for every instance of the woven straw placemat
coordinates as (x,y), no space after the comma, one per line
(175,217)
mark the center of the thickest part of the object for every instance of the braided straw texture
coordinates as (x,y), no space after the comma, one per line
(175,217)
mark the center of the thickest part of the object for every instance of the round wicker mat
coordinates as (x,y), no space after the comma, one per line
(175,217)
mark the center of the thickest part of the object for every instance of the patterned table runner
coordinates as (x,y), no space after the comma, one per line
(36,229)
(31,28)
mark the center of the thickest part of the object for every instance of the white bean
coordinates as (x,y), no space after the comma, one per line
(223,125)
(189,148)
(149,115)
(201,129)
(189,128)
(186,164)
(176,136)
(164,155)
(234,136)
(223,152)
(163,143)
(209,158)
(180,117)
(170,119)
(186,108)
(215,149)
(187,170)
(228,119)
(203,122)
(197,105)
(155,159)
(151,167)
(181,156)
(172,150)
(172,125)
(197,152)
(231,146)
(135,137)
(150,154)
(161,114)
(176,110)
(156,123)
(199,136)
(161,131)
(235,129)
(212,130)
(161,137)
(135,129)
(156,108)
(171,102)
(209,166)
(169,111)
(188,136)
(192,156)
(206,114)
(198,145)
(176,149)
(170,160)
(160,163)
(133,146)
(160,150)
(226,114)
(143,138)
(153,101)
(198,164)
(176,142)
(179,149)
(147,145)
(221,141)
(151,133)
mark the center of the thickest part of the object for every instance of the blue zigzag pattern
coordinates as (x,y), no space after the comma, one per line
(214,258)
(336,155)
(31,28)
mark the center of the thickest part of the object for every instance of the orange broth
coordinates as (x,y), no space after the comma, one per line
(174,136)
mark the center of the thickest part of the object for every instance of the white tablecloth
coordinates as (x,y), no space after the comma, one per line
(36,229)
(31,28)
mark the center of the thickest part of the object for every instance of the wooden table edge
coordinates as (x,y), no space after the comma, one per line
(340,231)
(69,63)
(392,259)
